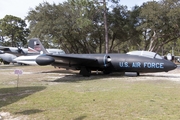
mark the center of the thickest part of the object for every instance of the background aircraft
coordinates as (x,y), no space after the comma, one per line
(7,58)
(17,51)
(26,55)
(136,61)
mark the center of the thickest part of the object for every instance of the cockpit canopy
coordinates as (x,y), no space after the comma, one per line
(145,54)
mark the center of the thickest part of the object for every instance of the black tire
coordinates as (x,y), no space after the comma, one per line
(6,63)
(106,72)
(86,72)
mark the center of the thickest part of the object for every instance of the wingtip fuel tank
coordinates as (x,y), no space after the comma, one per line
(44,60)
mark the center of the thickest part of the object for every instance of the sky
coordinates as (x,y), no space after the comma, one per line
(20,8)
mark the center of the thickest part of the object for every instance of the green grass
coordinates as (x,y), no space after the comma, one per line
(42,96)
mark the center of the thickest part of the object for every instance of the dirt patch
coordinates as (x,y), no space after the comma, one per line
(8,116)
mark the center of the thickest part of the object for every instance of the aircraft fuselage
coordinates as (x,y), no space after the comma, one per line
(108,62)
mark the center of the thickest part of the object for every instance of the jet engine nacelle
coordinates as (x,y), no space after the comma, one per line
(105,61)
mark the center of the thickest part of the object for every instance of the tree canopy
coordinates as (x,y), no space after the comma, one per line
(77,26)
(160,22)
(15,29)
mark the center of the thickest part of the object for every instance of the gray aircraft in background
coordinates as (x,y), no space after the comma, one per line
(25,55)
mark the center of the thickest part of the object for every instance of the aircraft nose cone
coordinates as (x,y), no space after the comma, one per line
(170,65)
(44,60)
(175,66)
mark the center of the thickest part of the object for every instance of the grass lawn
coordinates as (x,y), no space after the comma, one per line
(45,93)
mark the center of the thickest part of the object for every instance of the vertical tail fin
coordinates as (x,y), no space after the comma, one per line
(35,46)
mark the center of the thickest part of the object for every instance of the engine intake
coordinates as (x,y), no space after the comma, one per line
(105,61)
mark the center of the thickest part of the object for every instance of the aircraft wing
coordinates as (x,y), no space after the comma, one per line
(13,50)
(5,49)
(74,59)
(70,60)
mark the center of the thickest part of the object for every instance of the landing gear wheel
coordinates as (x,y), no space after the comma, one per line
(6,63)
(85,72)
(138,73)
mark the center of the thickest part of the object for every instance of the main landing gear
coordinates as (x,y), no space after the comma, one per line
(138,74)
(106,71)
(86,72)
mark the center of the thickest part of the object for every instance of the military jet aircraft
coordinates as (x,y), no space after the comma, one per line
(136,61)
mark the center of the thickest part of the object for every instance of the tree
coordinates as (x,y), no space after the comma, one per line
(78,25)
(160,22)
(70,24)
(15,29)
